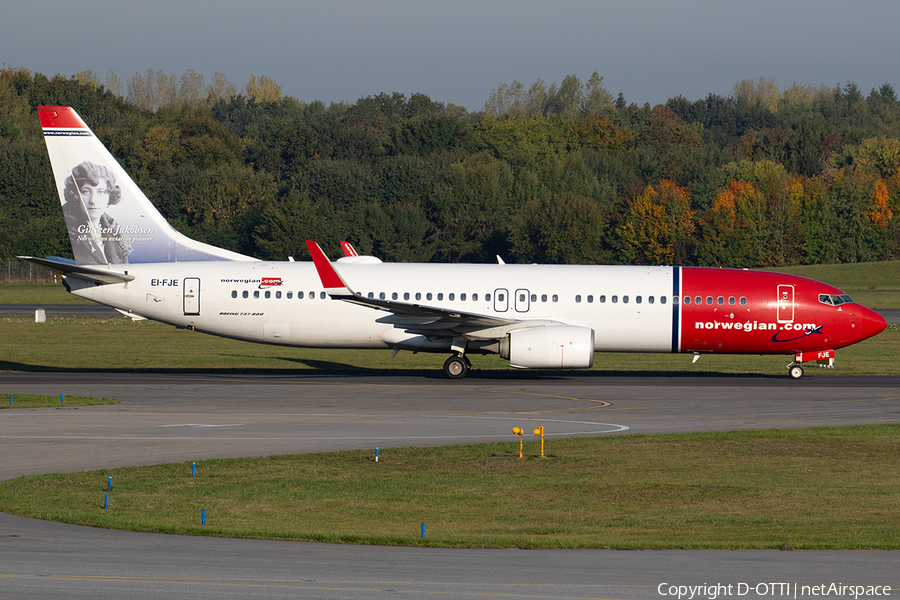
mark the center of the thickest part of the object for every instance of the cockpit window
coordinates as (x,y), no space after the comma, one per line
(834,299)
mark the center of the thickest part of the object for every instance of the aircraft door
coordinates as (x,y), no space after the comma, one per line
(191,295)
(501,300)
(522,301)
(785,303)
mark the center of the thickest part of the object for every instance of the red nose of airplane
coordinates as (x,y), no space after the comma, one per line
(872,322)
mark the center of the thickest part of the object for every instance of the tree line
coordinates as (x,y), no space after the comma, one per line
(566,173)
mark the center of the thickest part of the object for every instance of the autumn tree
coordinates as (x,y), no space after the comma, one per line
(262,89)
(659,227)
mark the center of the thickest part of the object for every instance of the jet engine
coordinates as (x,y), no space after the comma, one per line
(549,347)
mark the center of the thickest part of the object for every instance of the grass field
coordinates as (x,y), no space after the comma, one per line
(792,489)
(37,401)
(71,343)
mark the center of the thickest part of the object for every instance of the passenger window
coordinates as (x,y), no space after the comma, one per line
(624,299)
(256,294)
(244,294)
(418,295)
(651,300)
(394,296)
(451,296)
(743,300)
(406,295)
(381,295)
(234,293)
(615,299)
(440,295)
(278,294)
(487,297)
(312,295)
(299,295)
(578,298)
(268,294)
(709,299)
(720,300)
(428,296)
(687,299)
(602,299)
(590,299)
(637,299)
(731,300)
(371,295)
(698,299)
(290,295)
(534,297)
(321,295)
(462,297)
(474,297)
(662,299)
(555,298)
(543,297)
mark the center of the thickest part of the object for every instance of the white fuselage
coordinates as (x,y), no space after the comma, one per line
(285,303)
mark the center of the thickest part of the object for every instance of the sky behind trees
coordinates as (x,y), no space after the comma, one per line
(458,52)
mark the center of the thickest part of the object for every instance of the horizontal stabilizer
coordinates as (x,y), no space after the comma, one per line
(70,269)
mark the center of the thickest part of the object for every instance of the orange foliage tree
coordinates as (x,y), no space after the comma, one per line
(659,226)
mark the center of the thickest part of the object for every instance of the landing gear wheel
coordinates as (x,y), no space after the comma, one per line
(456,367)
(795,371)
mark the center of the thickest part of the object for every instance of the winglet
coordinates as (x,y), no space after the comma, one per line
(331,281)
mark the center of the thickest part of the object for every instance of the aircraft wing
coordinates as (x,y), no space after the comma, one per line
(415,318)
(70,269)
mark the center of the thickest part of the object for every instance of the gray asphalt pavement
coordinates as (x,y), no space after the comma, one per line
(174,417)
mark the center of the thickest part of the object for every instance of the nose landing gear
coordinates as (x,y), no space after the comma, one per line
(823,358)
(795,371)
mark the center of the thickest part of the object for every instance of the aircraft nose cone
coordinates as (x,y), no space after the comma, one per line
(872,322)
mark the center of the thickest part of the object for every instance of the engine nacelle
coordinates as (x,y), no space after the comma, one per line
(549,347)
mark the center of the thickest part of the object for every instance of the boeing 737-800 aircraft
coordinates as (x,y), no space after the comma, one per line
(536,316)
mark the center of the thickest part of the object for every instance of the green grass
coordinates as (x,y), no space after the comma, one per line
(16,292)
(92,344)
(36,401)
(807,488)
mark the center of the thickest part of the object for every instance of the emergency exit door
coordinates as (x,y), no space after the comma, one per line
(785,303)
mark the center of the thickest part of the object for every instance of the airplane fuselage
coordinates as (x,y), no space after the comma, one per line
(630,309)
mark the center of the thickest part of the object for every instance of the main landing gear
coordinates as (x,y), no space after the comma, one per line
(457,366)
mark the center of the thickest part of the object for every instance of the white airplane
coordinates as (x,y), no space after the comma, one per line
(536,316)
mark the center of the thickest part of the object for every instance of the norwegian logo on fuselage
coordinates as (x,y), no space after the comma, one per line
(268,282)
